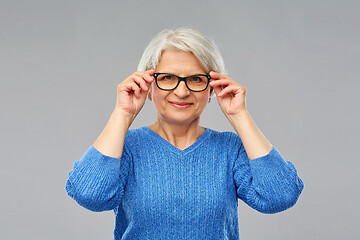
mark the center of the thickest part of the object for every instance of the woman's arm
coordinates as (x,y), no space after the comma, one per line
(255,143)
(264,179)
(131,96)
(111,140)
(269,183)
(98,179)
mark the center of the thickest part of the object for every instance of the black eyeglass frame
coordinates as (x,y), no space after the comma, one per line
(183,79)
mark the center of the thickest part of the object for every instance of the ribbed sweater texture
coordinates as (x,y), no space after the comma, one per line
(158,191)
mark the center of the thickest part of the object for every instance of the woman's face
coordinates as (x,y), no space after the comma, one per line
(181,64)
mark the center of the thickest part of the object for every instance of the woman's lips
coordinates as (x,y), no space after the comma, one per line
(181,105)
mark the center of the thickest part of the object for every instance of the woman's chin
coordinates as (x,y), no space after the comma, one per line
(180,119)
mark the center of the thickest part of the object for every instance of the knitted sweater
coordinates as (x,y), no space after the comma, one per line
(158,191)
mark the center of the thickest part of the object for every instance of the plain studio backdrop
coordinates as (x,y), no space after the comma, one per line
(61,62)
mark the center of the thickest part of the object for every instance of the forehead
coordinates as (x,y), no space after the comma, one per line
(179,62)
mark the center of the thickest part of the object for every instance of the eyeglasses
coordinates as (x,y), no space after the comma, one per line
(195,83)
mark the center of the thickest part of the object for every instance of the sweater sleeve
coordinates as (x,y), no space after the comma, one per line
(268,184)
(97,181)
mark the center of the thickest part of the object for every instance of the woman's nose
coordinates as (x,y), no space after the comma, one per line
(181,90)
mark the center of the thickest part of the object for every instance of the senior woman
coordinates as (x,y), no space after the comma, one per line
(176,179)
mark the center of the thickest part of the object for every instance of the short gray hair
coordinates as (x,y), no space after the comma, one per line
(184,39)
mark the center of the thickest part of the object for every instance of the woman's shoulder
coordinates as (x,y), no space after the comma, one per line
(225,134)
(139,134)
(135,132)
(225,137)
(134,137)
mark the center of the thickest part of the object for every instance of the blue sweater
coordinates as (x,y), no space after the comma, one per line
(158,191)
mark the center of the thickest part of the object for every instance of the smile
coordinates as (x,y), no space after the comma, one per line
(180,105)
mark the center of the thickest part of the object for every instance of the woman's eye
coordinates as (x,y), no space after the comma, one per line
(168,77)
(195,79)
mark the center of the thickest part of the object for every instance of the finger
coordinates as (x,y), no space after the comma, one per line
(133,87)
(137,92)
(227,90)
(216,75)
(217,89)
(151,71)
(140,81)
(147,75)
(220,82)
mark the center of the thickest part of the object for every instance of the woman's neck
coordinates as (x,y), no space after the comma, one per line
(179,135)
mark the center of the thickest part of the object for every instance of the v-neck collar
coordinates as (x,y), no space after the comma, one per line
(172,147)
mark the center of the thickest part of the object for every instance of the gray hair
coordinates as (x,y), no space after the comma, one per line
(184,39)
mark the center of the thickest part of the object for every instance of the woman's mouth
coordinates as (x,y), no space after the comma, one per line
(181,105)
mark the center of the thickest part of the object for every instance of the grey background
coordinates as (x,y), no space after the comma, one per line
(61,62)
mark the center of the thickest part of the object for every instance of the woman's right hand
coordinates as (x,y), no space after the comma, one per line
(131,93)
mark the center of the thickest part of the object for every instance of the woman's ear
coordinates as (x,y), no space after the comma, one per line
(149,93)
(211,93)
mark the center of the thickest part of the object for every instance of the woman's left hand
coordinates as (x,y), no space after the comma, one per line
(230,94)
